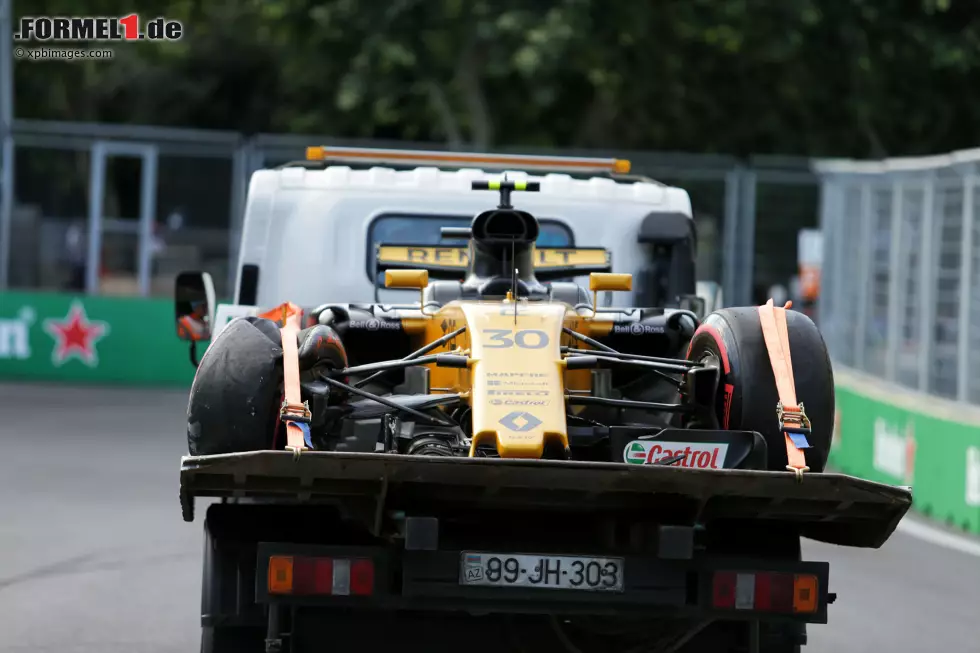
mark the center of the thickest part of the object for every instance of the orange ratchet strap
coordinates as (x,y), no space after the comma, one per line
(295,414)
(793,422)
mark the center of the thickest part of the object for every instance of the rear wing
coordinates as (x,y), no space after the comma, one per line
(451,262)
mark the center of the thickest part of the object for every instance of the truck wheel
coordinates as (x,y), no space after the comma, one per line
(232,619)
(231,639)
(747,392)
(733,637)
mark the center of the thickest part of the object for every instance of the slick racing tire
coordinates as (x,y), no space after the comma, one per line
(747,393)
(237,390)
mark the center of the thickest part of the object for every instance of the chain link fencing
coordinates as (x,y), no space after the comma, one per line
(900,293)
(120,209)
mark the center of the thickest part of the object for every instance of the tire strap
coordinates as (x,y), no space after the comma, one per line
(793,422)
(294,413)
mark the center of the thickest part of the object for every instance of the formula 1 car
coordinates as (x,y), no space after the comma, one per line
(506,464)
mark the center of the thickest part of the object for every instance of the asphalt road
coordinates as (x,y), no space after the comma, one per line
(94,556)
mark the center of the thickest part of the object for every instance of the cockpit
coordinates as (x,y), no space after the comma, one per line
(501,258)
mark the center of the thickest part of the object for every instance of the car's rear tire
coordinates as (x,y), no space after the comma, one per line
(747,393)
(237,391)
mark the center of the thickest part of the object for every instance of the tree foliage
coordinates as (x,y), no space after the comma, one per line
(842,78)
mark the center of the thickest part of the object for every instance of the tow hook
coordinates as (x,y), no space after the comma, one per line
(273,646)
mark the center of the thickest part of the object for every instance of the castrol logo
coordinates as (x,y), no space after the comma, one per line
(699,455)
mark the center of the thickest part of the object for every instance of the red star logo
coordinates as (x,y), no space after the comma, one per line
(75,336)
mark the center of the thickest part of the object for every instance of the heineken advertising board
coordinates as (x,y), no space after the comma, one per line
(57,337)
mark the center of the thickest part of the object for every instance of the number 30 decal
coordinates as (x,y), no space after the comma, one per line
(525,339)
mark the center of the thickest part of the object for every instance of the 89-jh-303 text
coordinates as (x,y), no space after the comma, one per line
(543,571)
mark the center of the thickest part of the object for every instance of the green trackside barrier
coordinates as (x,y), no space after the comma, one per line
(101,340)
(892,435)
(883,433)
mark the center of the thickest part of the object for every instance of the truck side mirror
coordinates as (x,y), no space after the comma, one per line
(194,305)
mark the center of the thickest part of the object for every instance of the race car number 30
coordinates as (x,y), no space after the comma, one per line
(582,573)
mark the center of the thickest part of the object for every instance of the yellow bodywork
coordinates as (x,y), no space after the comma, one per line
(516,380)
(417,279)
(599,281)
(516,370)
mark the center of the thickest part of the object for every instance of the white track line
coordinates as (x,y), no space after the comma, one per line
(939,537)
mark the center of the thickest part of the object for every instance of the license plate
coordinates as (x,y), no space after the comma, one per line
(557,572)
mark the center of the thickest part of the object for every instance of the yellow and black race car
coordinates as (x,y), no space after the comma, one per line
(505,461)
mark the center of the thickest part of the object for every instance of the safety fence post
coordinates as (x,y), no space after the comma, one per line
(968,292)
(894,278)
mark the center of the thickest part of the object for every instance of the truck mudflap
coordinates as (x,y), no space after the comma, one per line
(833,508)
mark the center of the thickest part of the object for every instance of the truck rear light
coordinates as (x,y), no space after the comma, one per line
(322,575)
(319,576)
(280,574)
(805,593)
(780,592)
(765,592)
(341,578)
(744,591)
(361,577)
(723,590)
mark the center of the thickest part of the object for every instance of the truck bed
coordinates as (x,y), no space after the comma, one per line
(833,508)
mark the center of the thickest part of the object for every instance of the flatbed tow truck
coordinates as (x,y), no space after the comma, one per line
(419,518)
(487,469)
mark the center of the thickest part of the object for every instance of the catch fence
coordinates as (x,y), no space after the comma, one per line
(900,293)
(119,209)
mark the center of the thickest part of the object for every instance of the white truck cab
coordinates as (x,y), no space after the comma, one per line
(312,229)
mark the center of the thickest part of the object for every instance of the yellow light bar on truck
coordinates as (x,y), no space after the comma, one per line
(466,159)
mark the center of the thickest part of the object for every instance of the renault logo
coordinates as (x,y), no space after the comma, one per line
(520,421)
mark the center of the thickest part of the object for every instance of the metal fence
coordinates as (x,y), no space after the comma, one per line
(900,293)
(119,209)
